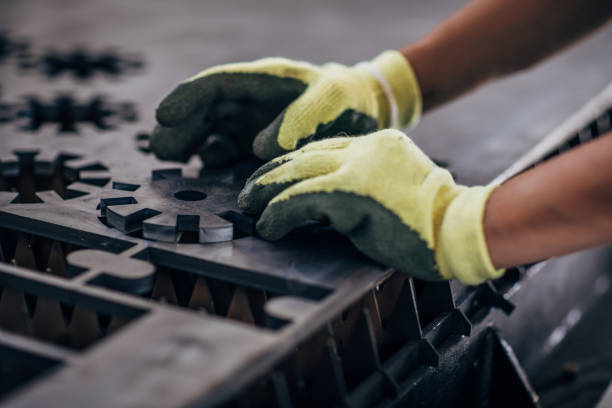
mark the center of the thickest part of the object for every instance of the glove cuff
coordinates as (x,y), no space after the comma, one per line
(399,80)
(462,250)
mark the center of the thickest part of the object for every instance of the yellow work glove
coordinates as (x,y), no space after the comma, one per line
(386,195)
(275,105)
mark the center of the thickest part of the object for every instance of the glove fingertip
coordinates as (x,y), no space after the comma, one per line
(268,229)
(158,142)
(244,198)
(181,102)
(170,112)
(163,144)
(265,144)
(254,198)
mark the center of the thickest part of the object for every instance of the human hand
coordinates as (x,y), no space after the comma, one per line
(275,105)
(386,196)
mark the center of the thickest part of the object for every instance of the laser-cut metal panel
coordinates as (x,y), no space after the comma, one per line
(305,321)
(360,332)
(310,320)
(312,262)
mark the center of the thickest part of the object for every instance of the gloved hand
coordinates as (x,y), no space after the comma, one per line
(386,195)
(275,105)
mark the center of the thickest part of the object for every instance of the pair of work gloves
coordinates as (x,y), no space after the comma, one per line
(379,189)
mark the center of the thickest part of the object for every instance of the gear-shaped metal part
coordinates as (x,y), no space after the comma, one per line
(169,205)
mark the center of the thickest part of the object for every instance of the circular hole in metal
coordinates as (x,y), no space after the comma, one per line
(189,195)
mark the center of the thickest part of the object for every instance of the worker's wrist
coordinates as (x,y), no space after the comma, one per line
(462,251)
(401,83)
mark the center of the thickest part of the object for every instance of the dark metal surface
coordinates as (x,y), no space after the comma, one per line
(479,136)
(97,311)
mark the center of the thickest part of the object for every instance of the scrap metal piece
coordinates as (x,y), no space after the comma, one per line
(171,206)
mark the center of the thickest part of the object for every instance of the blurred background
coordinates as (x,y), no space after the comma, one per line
(479,136)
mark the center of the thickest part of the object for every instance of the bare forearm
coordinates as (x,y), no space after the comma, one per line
(558,207)
(491,38)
